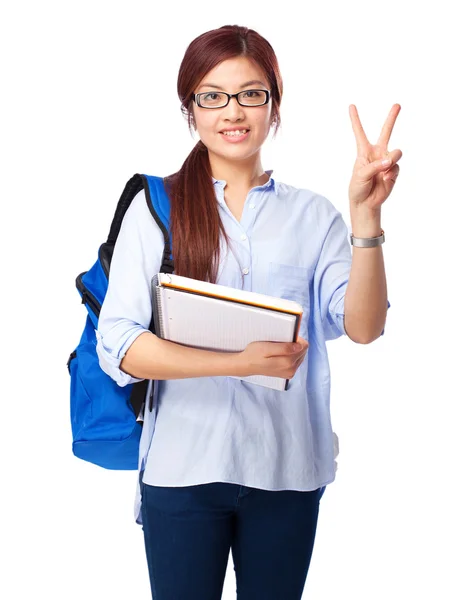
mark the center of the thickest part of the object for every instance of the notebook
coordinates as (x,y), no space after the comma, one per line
(223,319)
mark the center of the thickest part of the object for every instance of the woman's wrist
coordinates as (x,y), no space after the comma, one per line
(366,224)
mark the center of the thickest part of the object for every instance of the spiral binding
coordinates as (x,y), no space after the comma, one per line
(159,311)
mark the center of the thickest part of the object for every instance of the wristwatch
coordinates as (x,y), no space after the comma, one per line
(367,242)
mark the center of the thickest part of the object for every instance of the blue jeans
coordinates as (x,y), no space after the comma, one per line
(189,532)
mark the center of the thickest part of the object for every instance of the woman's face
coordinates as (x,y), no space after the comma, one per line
(231,76)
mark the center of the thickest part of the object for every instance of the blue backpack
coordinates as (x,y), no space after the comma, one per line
(103,415)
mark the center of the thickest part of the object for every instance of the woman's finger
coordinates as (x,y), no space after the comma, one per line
(361,139)
(388,126)
(300,357)
(392,173)
(367,172)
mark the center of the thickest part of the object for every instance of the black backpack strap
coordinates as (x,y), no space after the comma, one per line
(134,185)
(138,395)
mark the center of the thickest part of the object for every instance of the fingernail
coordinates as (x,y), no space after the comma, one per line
(386,162)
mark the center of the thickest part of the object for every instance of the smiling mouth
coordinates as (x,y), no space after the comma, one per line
(236,133)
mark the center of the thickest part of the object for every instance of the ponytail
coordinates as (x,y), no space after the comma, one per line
(195,221)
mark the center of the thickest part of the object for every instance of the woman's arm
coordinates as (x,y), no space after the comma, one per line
(374,174)
(150,357)
(366,300)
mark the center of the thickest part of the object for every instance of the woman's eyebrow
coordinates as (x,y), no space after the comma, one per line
(252,82)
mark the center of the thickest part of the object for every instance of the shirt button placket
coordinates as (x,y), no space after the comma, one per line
(249,219)
(249,214)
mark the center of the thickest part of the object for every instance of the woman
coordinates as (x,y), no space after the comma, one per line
(227,464)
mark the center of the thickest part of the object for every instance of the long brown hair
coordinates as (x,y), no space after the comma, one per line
(195,222)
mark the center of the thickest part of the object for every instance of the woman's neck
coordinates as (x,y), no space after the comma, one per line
(239,176)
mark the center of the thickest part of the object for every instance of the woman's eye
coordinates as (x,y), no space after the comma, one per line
(212,96)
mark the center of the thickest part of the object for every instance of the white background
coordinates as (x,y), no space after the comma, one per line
(89,98)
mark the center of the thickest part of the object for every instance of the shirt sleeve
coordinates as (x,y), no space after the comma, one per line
(127,309)
(332,271)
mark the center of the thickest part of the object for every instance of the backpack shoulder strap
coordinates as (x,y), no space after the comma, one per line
(159,206)
(106,250)
(133,186)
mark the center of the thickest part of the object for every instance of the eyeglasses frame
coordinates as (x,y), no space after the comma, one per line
(196,98)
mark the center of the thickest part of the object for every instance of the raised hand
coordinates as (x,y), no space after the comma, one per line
(372,181)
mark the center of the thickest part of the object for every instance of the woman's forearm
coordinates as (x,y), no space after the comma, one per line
(366,293)
(150,357)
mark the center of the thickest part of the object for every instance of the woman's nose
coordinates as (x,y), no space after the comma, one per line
(234,109)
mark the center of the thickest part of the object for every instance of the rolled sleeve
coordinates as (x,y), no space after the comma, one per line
(332,271)
(336,311)
(110,363)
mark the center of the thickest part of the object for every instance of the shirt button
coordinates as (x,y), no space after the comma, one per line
(243,237)
(251,205)
(245,271)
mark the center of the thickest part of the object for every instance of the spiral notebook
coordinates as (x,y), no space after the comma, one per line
(223,319)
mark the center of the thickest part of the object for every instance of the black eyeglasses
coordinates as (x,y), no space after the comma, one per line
(221,99)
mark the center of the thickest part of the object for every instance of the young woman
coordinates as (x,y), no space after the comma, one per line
(226,464)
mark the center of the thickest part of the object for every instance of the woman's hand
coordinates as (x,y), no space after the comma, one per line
(372,181)
(275,359)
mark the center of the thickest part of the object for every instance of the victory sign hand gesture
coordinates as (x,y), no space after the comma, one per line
(373,179)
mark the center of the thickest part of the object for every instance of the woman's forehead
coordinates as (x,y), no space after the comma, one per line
(238,72)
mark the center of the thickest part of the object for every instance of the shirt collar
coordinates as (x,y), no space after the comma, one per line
(271,183)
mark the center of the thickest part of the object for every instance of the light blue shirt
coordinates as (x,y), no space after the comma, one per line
(290,243)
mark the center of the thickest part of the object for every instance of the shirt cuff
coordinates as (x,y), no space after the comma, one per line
(337,314)
(110,363)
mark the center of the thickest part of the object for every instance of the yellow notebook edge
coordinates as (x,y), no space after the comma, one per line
(193,285)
